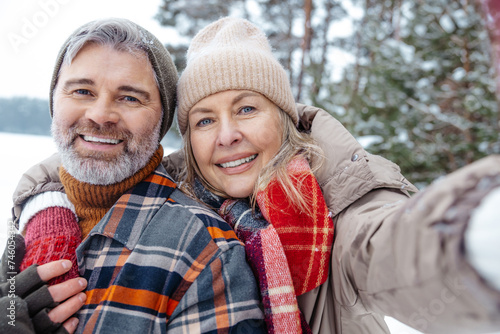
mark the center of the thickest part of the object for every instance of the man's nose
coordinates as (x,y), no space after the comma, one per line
(103,110)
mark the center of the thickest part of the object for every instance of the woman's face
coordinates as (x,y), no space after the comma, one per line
(234,134)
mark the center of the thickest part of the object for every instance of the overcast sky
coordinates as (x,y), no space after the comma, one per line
(32,31)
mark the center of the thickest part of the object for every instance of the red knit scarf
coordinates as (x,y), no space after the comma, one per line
(307,238)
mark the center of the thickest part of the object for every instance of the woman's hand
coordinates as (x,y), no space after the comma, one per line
(37,308)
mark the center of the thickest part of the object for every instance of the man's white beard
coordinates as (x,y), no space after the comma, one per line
(98,169)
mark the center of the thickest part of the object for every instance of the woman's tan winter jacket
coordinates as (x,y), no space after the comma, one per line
(392,255)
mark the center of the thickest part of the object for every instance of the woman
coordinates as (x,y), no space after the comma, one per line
(242,132)
(392,255)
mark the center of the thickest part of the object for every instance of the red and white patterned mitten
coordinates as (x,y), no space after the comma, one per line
(51,232)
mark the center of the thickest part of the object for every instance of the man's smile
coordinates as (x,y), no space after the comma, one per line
(92,139)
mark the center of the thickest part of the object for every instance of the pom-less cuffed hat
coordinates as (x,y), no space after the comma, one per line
(228,54)
(159,57)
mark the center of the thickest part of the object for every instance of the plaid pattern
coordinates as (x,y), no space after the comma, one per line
(160,262)
(268,261)
(307,237)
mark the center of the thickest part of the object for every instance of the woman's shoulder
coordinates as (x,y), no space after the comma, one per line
(348,171)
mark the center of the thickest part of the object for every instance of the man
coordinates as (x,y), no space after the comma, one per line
(155,260)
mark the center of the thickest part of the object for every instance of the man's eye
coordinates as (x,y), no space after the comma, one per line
(131,99)
(82,92)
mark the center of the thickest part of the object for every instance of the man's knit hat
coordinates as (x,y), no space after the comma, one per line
(232,53)
(159,57)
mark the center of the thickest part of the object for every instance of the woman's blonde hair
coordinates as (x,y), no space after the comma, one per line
(293,143)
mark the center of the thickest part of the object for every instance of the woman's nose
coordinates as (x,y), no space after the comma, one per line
(229,133)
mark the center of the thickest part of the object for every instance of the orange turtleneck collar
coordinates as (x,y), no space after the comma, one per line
(93,201)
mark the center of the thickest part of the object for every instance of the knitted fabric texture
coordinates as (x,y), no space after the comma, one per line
(93,201)
(307,237)
(159,57)
(228,54)
(52,234)
(267,259)
(39,202)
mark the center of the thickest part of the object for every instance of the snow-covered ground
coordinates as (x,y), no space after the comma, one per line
(20,152)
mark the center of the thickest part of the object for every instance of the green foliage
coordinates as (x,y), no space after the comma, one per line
(431,88)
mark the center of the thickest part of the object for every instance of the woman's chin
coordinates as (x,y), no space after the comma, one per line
(239,192)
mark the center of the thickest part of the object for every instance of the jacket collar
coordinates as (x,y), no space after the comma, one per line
(131,214)
(348,171)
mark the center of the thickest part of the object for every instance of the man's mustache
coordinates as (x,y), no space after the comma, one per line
(89,128)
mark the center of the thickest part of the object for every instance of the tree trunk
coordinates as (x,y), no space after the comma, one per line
(306,45)
(492,16)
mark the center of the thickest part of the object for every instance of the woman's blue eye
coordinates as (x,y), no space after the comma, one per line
(204,122)
(247,109)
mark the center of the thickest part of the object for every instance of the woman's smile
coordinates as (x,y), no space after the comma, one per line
(236,163)
(234,134)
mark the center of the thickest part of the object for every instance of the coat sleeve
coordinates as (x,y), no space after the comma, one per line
(406,257)
(40,178)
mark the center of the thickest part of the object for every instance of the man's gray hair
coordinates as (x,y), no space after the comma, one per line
(120,34)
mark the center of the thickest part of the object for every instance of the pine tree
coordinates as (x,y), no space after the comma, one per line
(422,84)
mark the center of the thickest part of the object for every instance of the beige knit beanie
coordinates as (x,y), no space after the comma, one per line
(232,53)
(123,29)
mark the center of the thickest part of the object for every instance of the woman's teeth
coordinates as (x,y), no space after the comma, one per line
(238,162)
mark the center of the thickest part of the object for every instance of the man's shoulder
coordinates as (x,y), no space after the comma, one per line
(201,218)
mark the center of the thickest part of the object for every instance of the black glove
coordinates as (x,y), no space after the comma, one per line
(12,256)
(24,296)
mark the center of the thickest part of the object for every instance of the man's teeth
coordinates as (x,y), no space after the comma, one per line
(101,140)
(238,162)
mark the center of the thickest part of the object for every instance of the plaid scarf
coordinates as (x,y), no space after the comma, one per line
(289,251)
(307,237)
(268,261)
